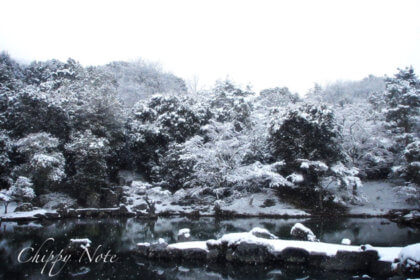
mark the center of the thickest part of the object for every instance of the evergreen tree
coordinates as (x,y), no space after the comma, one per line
(402,98)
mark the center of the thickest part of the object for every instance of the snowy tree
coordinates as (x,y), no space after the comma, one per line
(11,73)
(403,101)
(275,97)
(309,132)
(345,92)
(5,161)
(228,88)
(140,80)
(32,111)
(87,166)
(402,111)
(228,103)
(156,123)
(5,198)
(308,140)
(365,139)
(20,191)
(42,161)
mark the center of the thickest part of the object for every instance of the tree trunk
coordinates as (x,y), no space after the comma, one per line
(321,206)
(5,207)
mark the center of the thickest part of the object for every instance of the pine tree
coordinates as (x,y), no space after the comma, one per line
(402,112)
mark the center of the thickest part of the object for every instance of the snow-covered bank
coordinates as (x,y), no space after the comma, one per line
(195,200)
(381,198)
(29,215)
(259,246)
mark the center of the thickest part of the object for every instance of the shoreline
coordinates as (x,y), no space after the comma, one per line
(259,246)
(121,212)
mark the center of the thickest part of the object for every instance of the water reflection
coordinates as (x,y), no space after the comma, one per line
(121,235)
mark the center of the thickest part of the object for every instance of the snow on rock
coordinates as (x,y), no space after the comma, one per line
(189,245)
(163,200)
(140,184)
(83,242)
(410,257)
(346,241)
(303,233)
(241,205)
(78,244)
(184,235)
(263,233)
(246,247)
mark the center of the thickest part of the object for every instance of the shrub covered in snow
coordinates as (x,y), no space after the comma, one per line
(308,132)
(155,124)
(89,170)
(307,139)
(42,161)
(63,127)
(20,191)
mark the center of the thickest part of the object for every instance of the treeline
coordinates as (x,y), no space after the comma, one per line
(68,128)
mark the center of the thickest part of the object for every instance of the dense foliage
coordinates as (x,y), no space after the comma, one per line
(72,129)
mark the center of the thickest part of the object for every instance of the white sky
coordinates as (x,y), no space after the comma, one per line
(264,43)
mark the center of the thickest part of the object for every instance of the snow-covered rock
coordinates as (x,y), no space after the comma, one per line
(301,232)
(346,241)
(410,259)
(77,245)
(140,185)
(24,207)
(247,248)
(184,235)
(263,233)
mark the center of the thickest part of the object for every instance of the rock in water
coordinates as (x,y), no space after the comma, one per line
(184,235)
(262,233)
(77,246)
(346,241)
(301,232)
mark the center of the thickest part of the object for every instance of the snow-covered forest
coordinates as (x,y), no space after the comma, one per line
(75,130)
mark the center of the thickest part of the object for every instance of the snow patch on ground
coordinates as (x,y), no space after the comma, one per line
(382,196)
(247,204)
(26,215)
(253,204)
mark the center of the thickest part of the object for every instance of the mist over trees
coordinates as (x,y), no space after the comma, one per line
(72,129)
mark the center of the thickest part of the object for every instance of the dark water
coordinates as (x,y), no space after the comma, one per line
(120,236)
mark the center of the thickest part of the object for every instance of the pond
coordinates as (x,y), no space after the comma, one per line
(119,236)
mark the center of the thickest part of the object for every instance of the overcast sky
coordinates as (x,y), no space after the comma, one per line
(263,43)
